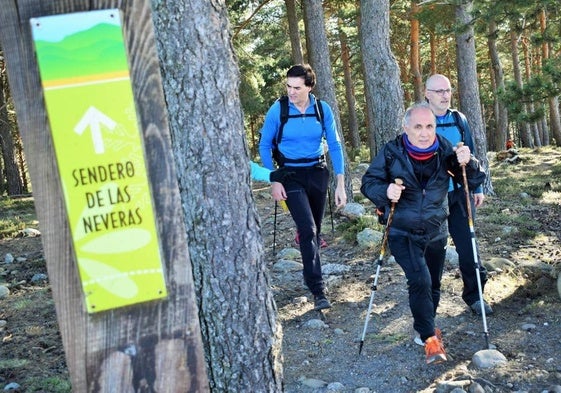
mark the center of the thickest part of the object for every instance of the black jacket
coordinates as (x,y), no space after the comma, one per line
(419,209)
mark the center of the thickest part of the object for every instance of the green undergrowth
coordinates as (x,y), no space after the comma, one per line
(521,189)
(16,214)
(539,171)
(351,228)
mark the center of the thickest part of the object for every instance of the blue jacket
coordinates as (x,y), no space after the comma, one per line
(301,138)
(453,135)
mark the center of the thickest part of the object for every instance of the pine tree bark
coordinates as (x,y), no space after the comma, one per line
(318,55)
(414,55)
(530,105)
(238,316)
(470,103)
(14,184)
(294,32)
(523,126)
(553,102)
(497,139)
(384,95)
(349,90)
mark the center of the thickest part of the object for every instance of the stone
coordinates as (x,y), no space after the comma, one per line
(4,291)
(488,358)
(369,238)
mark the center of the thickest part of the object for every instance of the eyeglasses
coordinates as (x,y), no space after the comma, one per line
(441,92)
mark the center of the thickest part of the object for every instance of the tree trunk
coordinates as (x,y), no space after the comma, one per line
(14,183)
(237,312)
(318,54)
(22,164)
(554,118)
(523,126)
(432,40)
(384,95)
(294,32)
(498,138)
(530,105)
(414,55)
(469,89)
(349,90)
(543,129)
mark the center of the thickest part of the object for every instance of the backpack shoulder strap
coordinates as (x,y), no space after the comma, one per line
(283,116)
(458,122)
(318,108)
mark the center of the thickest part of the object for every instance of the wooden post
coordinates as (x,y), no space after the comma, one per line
(152,346)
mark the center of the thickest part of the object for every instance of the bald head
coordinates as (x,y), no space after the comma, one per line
(436,79)
(438,93)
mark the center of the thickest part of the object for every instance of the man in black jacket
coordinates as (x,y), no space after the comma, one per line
(418,234)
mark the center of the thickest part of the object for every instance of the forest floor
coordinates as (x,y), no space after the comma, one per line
(519,223)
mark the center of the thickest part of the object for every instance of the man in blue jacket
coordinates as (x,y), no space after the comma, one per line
(417,237)
(300,148)
(453,125)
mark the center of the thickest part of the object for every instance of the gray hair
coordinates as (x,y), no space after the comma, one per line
(414,107)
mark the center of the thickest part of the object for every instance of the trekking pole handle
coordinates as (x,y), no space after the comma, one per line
(460,144)
(399,182)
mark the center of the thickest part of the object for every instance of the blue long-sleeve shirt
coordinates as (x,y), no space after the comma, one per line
(301,137)
(260,173)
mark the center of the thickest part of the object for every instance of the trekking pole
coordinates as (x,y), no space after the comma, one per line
(330,210)
(474,250)
(378,266)
(275,229)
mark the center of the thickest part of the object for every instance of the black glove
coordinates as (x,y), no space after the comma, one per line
(281,175)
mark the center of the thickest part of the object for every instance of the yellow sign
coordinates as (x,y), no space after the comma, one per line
(100,154)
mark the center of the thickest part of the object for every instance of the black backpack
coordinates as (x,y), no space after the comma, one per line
(279,158)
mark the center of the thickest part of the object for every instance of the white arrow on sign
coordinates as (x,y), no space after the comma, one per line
(94,118)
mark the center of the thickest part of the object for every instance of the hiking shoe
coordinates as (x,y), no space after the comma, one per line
(417,339)
(321,303)
(322,242)
(434,349)
(476,308)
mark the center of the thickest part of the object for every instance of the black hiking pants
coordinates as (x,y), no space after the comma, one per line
(458,227)
(306,194)
(422,259)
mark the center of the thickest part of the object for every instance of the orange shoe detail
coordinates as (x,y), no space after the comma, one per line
(435,350)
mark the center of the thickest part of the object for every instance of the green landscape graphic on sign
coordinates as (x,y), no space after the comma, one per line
(99,149)
(79,45)
(98,50)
